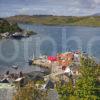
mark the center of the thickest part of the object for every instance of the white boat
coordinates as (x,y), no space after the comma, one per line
(15,67)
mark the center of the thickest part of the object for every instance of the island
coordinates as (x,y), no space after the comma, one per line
(12,30)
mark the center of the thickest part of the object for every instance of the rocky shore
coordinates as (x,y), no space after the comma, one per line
(16,35)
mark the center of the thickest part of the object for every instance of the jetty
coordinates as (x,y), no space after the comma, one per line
(42,63)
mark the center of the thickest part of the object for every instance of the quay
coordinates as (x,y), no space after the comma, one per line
(41,63)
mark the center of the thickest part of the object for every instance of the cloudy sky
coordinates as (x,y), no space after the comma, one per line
(51,7)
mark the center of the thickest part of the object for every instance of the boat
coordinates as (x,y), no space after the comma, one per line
(17,35)
(15,67)
(30,62)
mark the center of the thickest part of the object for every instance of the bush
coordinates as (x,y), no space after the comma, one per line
(30,92)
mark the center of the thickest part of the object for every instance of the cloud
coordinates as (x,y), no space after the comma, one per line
(97,1)
(23,10)
(56,7)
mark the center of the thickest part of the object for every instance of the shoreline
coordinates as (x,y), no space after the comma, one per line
(17,35)
(62,25)
(73,25)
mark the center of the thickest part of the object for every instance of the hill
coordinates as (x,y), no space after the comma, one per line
(5,26)
(57,20)
(97,14)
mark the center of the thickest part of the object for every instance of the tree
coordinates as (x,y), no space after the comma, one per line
(86,83)
(15,28)
(65,91)
(86,87)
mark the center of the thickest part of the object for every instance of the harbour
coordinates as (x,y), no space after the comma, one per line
(36,45)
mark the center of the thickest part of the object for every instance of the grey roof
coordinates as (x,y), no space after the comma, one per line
(49,85)
(4,81)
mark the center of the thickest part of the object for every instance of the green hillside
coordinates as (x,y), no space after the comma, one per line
(57,20)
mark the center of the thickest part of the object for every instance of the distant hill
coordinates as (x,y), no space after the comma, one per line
(56,20)
(97,14)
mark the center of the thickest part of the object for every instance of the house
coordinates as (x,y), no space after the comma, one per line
(4,80)
(65,59)
(68,71)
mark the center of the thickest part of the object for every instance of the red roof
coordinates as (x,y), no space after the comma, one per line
(52,58)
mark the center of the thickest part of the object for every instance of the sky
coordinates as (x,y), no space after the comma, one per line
(49,7)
